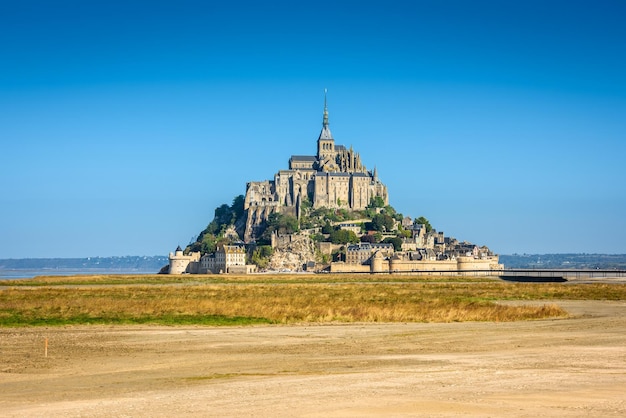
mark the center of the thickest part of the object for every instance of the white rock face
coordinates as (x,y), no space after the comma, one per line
(293,255)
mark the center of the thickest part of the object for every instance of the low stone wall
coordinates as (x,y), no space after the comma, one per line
(328,247)
(247,269)
(422,265)
(341,267)
(399,266)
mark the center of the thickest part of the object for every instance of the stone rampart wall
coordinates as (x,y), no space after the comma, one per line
(180,264)
(381,265)
(341,267)
(247,269)
(422,265)
(328,247)
(471,263)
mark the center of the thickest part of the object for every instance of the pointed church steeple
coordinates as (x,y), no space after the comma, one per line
(325,134)
(325,123)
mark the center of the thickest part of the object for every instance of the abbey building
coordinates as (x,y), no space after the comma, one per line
(334,178)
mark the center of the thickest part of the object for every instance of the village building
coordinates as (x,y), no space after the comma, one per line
(227,259)
(181,263)
(361,253)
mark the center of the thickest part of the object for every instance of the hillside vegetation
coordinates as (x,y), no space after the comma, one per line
(229,221)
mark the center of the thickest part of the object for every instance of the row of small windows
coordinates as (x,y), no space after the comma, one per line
(327,146)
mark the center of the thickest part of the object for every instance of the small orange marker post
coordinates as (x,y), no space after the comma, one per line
(45,347)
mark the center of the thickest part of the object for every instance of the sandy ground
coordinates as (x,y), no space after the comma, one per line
(568,367)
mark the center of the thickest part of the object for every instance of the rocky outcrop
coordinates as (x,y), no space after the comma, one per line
(292,252)
(231,234)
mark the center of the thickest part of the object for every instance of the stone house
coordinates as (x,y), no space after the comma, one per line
(227,259)
(362,252)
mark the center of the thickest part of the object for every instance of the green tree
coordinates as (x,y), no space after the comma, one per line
(212,228)
(237,208)
(194,246)
(305,204)
(208,244)
(423,221)
(342,236)
(397,243)
(282,224)
(344,214)
(307,220)
(286,224)
(261,256)
(381,222)
(223,215)
(318,237)
(391,211)
(377,202)
(368,238)
(404,233)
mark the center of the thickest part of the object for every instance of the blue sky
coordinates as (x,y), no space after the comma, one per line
(123,124)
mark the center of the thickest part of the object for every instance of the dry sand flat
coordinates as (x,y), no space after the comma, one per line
(569,367)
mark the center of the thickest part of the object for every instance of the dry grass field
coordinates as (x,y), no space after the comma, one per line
(310,346)
(220,300)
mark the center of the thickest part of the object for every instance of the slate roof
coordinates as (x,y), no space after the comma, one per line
(325,134)
(303,158)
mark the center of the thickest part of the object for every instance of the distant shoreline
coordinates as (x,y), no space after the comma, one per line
(27,273)
(31,267)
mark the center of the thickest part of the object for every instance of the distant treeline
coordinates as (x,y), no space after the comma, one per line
(142,263)
(564,261)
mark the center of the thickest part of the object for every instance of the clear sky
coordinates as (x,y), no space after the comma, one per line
(123,124)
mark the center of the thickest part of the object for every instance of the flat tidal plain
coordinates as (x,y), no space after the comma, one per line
(572,363)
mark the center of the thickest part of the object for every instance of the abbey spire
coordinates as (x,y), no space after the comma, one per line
(325,134)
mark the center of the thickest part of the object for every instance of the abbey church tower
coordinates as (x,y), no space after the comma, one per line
(325,142)
(334,178)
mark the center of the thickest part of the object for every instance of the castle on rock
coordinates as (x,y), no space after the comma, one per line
(334,178)
(381,240)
